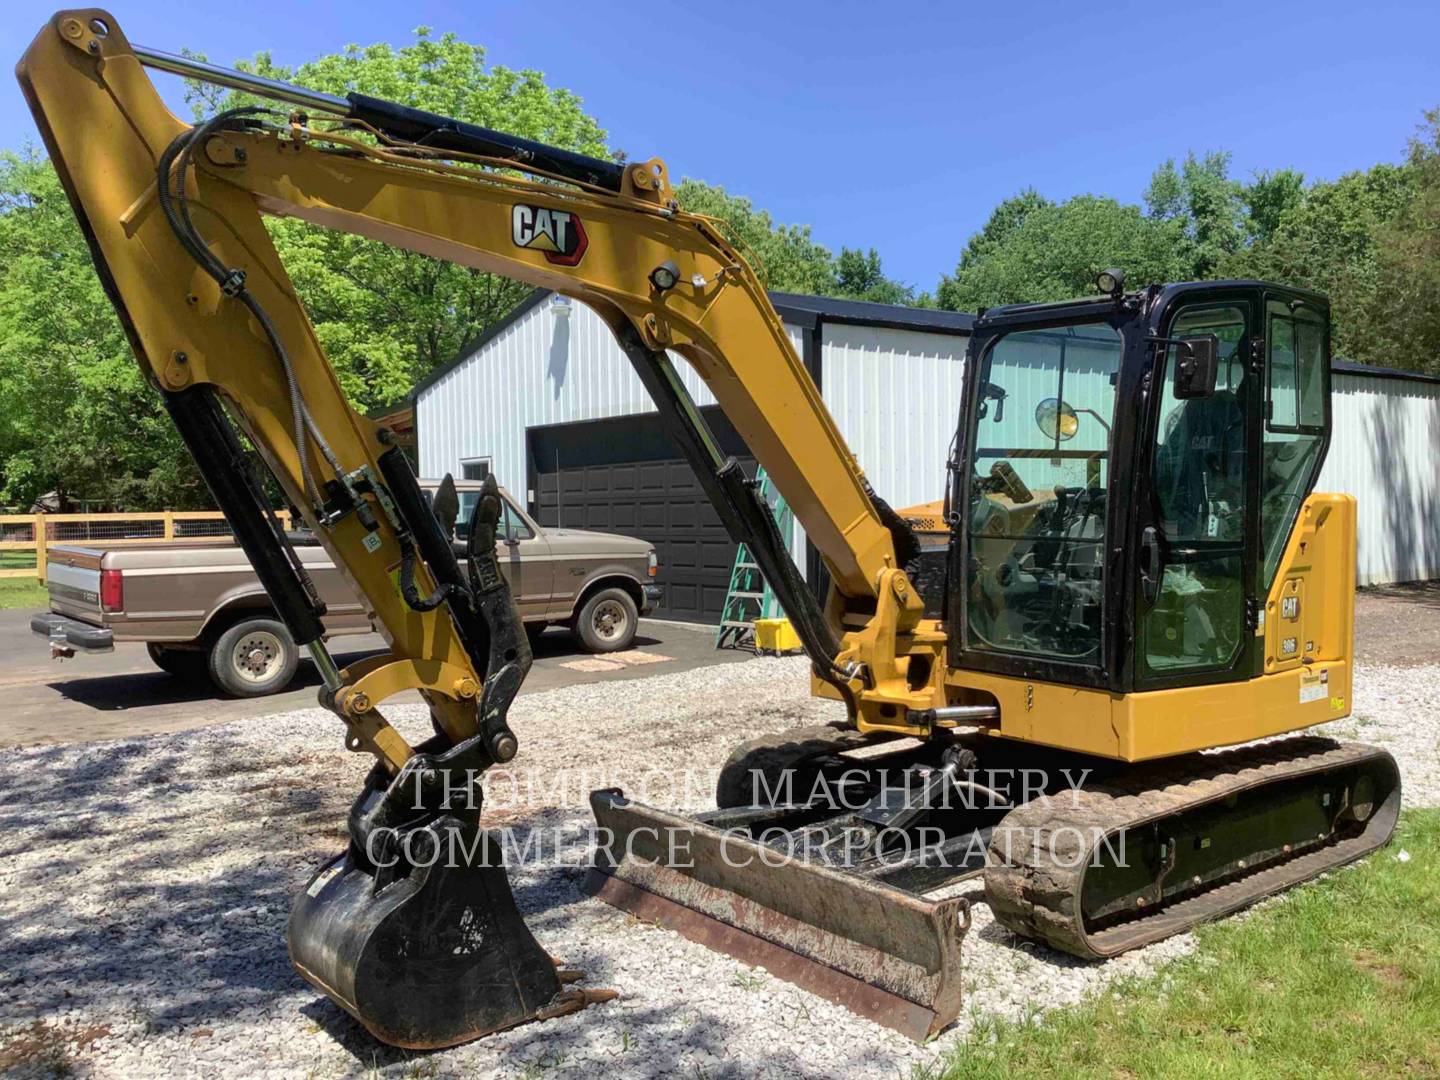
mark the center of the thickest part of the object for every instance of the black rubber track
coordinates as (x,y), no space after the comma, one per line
(1037,868)
(770,755)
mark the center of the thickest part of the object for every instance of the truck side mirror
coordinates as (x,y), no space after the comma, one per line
(1197,367)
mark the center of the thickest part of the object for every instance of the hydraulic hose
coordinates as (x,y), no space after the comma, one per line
(411,595)
(176,207)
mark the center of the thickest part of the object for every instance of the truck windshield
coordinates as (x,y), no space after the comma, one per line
(1041,467)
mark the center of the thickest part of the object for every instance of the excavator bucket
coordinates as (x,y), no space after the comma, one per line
(429,957)
(881,951)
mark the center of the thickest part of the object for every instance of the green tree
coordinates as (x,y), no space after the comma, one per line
(1268,198)
(1207,206)
(1400,327)
(76,417)
(1329,241)
(859,276)
(387,317)
(1003,221)
(1034,250)
(787,257)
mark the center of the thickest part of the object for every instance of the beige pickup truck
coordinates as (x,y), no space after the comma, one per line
(200,610)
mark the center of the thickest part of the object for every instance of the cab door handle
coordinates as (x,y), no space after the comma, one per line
(1152,564)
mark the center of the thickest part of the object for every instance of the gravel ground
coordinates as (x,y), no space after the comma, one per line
(145,884)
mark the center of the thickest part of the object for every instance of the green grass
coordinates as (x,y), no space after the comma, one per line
(23,593)
(1339,978)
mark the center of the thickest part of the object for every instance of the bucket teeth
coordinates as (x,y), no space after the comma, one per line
(572,1001)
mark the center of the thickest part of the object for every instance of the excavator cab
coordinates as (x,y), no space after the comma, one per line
(1136,532)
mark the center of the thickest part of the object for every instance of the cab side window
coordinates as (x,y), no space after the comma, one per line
(512,525)
(1296,395)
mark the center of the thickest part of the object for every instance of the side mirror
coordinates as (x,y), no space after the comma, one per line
(1057,420)
(1197,367)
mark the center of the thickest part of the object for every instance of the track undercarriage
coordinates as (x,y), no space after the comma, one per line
(849,866)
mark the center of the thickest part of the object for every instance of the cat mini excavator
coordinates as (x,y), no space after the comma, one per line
(1130,570)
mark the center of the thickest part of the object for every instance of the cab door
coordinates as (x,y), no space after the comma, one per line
(1196,516)
(1294,440)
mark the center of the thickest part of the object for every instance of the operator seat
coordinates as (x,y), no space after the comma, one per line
(1201,460)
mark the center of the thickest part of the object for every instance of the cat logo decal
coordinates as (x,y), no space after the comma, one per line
(558,233)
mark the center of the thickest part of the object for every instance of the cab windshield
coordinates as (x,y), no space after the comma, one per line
(1041,470)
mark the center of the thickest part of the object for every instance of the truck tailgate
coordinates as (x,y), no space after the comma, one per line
(72,574)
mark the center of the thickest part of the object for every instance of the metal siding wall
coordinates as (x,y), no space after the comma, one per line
(895,395)
(1383,451)
(542,370)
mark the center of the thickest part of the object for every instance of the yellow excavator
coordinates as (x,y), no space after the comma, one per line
(1129,570)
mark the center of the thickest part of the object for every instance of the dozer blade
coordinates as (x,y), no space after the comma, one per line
(432,957)
(880,952)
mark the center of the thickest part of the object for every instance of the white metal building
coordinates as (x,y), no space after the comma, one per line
(1385,450)
(547,402)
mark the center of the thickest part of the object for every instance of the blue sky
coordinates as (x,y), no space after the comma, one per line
(897,126)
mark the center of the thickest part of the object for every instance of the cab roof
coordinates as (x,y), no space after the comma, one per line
(1101,305)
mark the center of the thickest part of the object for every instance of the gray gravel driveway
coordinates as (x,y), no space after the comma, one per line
(145,883)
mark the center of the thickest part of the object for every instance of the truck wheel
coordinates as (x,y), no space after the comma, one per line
(253,658)
(607,621)
(182,663)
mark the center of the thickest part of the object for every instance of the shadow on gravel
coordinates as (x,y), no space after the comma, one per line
(155,883)
(560,642)
(146,689)
(134,899)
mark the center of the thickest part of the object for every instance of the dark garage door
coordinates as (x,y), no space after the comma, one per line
(625,476)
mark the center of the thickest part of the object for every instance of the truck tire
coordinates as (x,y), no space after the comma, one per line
(188,664)
(607,621)
(253,658)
